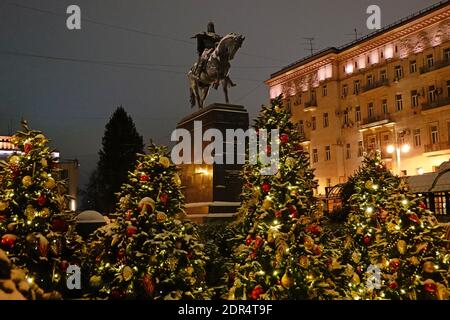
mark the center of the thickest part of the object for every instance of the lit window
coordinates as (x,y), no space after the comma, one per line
(434,134)
(399,102)
(417,138)
(384,106)
(325,120)
(315,156)
(358,114)
(360,149)
(313,124)
(414,98)
(327,153)
(413,66)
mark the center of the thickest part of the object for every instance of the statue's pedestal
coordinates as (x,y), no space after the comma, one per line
(212,190)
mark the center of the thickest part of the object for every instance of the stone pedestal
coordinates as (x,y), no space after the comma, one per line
(212,191)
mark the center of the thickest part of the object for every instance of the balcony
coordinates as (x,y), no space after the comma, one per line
(376,121)
(436,104)
(436,66)
(375,85)
(311,105)
(436,149)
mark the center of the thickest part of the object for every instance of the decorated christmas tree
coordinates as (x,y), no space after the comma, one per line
(149,252)
(395,248)
(35,229)
(282,254)
(15,284)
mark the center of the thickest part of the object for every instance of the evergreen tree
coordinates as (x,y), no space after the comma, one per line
(149,252)
(390,233)
(121,142)
(283,255)
(35,229)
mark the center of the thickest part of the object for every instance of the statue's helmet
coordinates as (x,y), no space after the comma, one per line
(211,28)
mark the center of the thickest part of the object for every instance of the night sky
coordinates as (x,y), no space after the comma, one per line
(136,53)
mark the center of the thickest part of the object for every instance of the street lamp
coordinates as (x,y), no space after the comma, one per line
(405,148)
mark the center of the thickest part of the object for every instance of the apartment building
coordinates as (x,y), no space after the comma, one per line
(388,91)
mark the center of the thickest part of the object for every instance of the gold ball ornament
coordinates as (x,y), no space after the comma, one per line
(290,162)
(44,163)
(355,279)
(14,160)
(161,217)
(414,261)
(287,281)
(176,180)
(30,212)
(356,257)
(3,206)
(127,273)
(369,185)
(304,262)
(267,204)
(401,246)
(50,183)
(308,242)
(164,161)
(190,270)
(95,281)
(428,267)
(27,181)
(45,213)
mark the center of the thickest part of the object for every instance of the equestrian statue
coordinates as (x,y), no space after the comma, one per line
(213,65)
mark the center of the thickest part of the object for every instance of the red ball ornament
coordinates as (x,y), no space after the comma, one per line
(422,205)
(265,187)
(144,178)
(42,200)
(269,150)
(27,148)
(430,288)
(131,231)
(414,218)
(149,284)
(393,285)
(63,265)
(190,255)
(313,228)
(258,243)
(257,292)
(278,214)
(249,240)
(164,198)
(367,240)
(394,264)
(59,225)
(293,211)
(284,138)
(317,250)
(8,241)
(121,254)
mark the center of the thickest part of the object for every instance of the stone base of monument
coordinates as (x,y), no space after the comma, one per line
(212,190)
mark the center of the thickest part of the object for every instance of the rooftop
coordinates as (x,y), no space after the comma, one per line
(363,39)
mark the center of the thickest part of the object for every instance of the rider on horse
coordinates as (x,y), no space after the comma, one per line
(206,43)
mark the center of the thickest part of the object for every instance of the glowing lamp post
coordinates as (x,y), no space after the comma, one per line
(405,148)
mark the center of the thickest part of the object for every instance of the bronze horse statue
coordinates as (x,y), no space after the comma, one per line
(215,70)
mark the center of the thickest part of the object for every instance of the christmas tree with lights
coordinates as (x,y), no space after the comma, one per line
(149,252)
(394,248)
(35,229)
(282,254)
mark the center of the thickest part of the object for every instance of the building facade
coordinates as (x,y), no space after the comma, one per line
(388,91)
